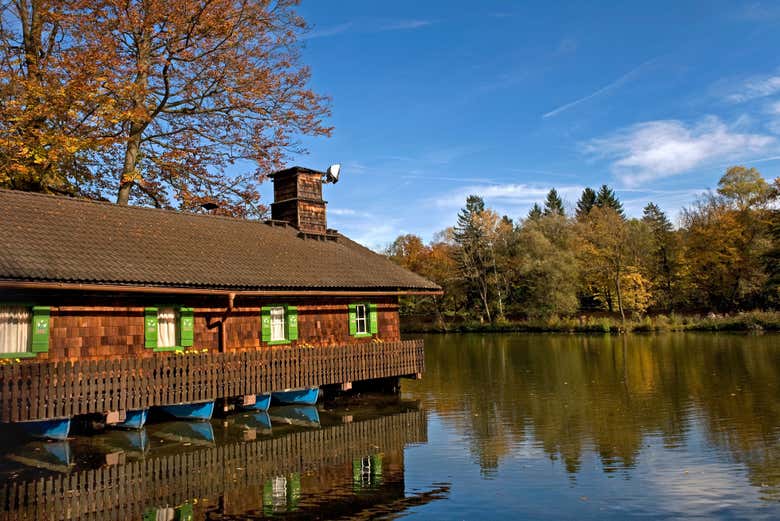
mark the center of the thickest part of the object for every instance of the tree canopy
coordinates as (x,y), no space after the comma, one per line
(722,257)
(168,103)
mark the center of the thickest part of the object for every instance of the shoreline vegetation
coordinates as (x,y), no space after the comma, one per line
(753,321)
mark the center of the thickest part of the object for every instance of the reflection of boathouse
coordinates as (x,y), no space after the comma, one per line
(322,470)
(100,301)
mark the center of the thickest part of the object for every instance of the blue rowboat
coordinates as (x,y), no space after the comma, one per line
(47,429)
(258,420)
(133,420)
(298,396)
(190,411)
(299,415)
(193,433)
(262,402)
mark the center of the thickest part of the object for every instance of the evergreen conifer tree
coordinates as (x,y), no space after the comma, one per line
(553,205)
(606,198)
(535,213)
(586,202)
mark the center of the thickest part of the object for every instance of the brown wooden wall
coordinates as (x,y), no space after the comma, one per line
(98,327)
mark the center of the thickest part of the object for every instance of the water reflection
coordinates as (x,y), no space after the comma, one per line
(672,399)
(290,462)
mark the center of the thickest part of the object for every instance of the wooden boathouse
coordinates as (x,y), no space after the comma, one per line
(106,309)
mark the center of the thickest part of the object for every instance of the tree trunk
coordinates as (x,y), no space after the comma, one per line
(619,298)
(128,168)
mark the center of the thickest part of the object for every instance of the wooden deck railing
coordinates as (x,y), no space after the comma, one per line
(236,469)
(34,391)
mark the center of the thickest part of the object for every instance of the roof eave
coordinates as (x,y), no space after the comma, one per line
(178,290)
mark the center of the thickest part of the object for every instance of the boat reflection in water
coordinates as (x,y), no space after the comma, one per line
(313,463)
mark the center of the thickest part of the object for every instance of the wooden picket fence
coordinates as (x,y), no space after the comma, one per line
(46,390)
(238,469)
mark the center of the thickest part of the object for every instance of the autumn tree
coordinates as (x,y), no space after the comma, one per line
(726,236)
(476,234)
(606,254)
(49,87)
(547,276)
(186,94)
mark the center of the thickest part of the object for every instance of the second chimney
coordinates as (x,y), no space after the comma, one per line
(298,199)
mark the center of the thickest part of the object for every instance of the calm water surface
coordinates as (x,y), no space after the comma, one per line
(501,427)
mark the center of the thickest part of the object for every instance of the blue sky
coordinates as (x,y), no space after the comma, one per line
(435,100)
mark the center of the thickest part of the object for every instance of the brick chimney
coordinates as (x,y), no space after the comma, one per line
(298,199)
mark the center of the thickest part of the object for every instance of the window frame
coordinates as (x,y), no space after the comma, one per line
(289,321)
(179,312)
(283,320)
(31,351)
(371,328)
(366,328)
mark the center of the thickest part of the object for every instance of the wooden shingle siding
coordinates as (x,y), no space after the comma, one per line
(102,331)
(44,390)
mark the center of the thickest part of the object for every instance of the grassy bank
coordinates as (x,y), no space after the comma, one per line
(750,321)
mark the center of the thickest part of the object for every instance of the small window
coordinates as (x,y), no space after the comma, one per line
(15,329)
(277,324)
(361,319)
(166,327)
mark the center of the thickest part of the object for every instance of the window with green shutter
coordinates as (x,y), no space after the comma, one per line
(279,324)
(362,319)
(24,330)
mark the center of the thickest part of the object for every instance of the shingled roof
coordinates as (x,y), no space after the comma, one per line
(47,238)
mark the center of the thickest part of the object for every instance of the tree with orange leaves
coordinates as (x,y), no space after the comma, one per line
(183,93)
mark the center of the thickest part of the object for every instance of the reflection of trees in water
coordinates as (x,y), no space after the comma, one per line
(576,393)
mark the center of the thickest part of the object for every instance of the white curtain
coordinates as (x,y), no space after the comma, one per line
(166,327)
(14,329)
(277,324)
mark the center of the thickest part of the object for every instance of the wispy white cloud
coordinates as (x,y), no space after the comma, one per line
(657,149)
(402,25)
(327,31)
(367,27)
(755,87)
(603,90)
(507,195)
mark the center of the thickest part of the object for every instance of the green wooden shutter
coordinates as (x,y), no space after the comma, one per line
(292,322)
(373,319)
(186,327)
(293,491)
(376,466)
(150,328)
(265,323)
(40,329)
(353,319)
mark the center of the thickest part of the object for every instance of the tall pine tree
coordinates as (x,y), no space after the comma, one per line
(586,202)
(553,205)
(606,198)
(535,213)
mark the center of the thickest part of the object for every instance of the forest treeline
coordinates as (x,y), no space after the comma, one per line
(722,256)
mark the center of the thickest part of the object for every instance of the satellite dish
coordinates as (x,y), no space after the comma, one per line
(332,174)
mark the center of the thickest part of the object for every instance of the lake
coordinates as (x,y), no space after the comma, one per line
(502,426)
